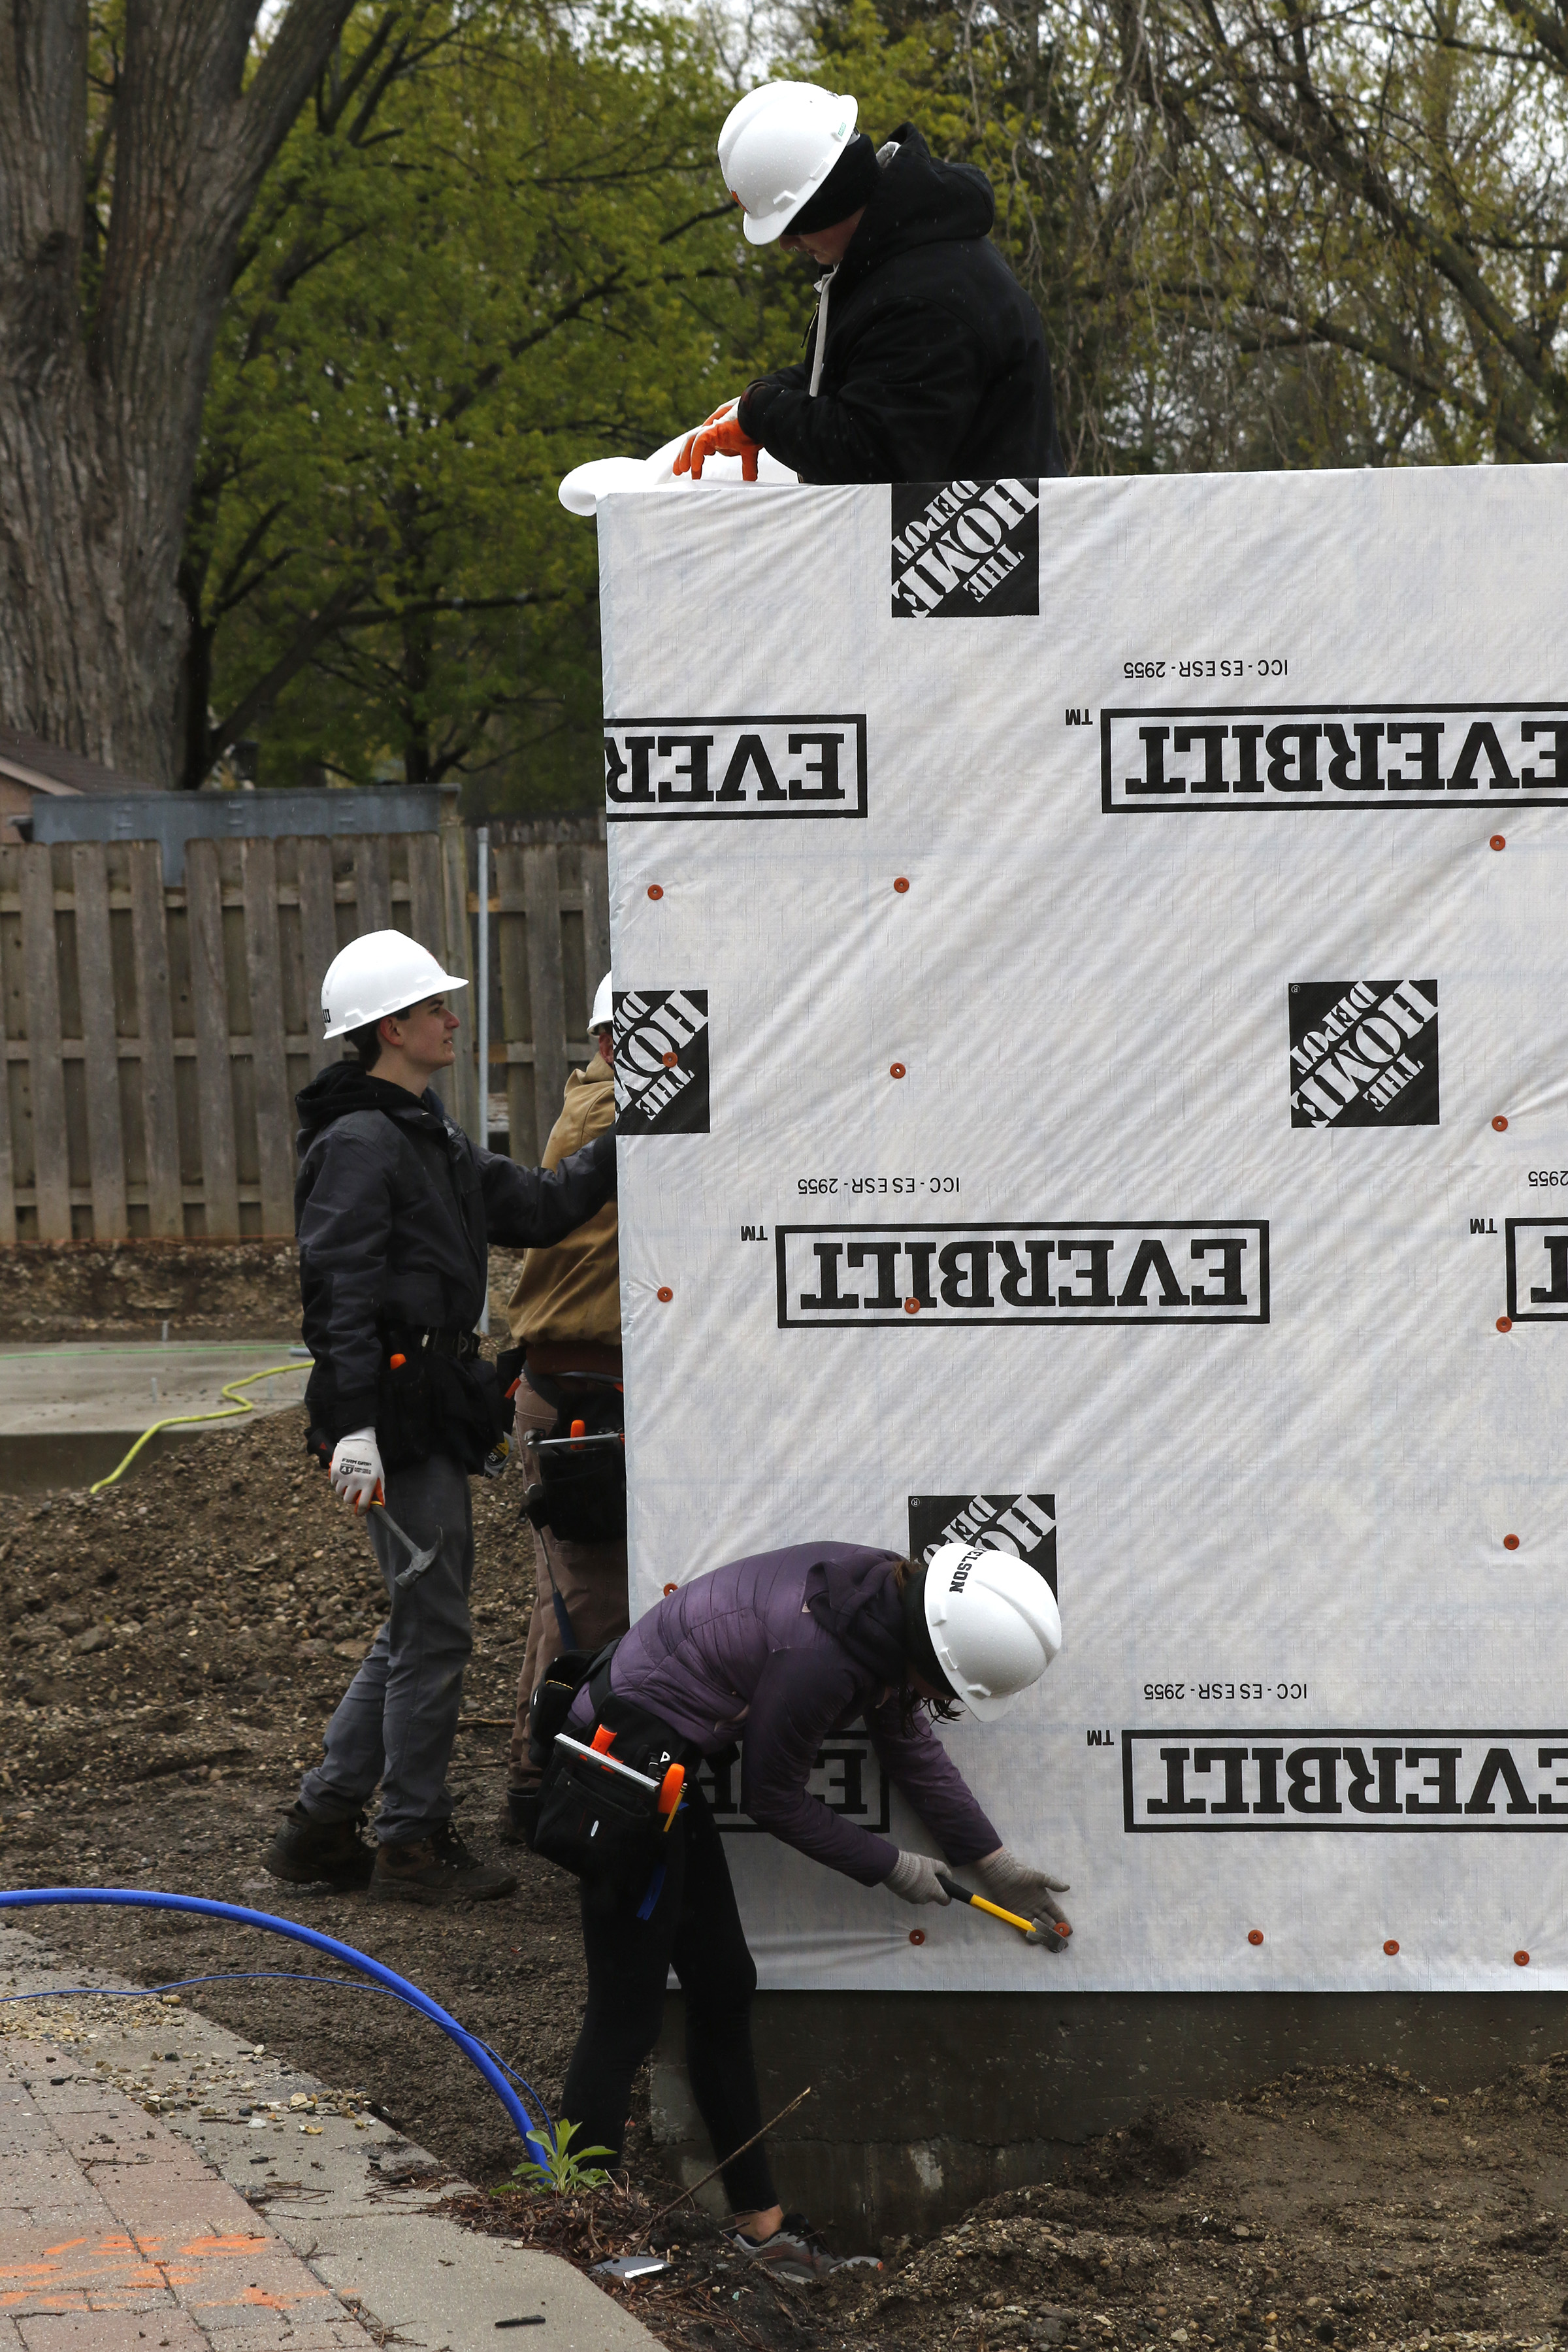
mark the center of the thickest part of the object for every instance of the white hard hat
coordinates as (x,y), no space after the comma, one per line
(777,146)
(994,1624)
(604,1012)
(382,972)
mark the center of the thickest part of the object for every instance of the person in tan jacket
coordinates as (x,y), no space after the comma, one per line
(565,1313)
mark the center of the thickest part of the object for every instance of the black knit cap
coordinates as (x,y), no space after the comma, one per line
(919,1647)
(847,187)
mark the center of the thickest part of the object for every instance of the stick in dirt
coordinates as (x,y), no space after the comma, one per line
(719,2168)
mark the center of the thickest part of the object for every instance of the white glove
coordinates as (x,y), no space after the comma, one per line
(356,1469)
(913,1879)
(1017,1887)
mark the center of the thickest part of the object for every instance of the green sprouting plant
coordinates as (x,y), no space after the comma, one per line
(568,2172)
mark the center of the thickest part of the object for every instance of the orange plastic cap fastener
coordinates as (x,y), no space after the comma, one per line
(1510,1543)
(901,884)
(1499,1122)
(1521,1959)
(670,1060)
(1505,1323)
(397,1362)
(664,1294)
(1391,1948)
(669,1589)
(1255,1935)
(1499,840)
(655,889)
(917,1934)
(897,1070)
(911,1307)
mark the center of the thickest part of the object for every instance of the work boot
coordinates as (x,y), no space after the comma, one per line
(518,1816)
(796,2251)
(436,1869)
(306,1852)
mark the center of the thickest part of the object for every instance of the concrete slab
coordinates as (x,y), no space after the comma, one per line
(186,2201)
(67,1414)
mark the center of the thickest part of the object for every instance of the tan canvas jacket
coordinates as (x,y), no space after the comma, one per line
(566,1307)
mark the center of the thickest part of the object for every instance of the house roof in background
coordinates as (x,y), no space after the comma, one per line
(50,769)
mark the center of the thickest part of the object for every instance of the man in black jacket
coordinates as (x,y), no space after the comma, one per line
(395,1207)
(927,360)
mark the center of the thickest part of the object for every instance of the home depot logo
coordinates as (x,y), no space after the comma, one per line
(1363,1052)
(661,1061)
(914,1277)
(1347,1780)
(1379,756)
(1023,1525)
(974,548)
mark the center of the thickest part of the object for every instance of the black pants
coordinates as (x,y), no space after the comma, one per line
(694,1927)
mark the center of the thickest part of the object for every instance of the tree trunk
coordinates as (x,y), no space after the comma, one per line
(100,403)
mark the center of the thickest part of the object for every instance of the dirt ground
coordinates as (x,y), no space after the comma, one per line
(129,1290)
(172,1649)
(123,1290)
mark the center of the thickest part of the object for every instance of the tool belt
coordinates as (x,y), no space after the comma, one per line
(443,1397)
(578,1485)
(607,1831)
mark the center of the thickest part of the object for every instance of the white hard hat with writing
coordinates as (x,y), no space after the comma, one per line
(994,1624)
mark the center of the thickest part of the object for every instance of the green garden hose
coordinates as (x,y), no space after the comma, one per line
(182,1420)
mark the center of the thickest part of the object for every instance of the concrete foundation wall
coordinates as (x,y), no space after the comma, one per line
(923,2103)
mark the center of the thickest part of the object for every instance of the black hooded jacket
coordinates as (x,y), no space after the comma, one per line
(393,1207)
(936,368)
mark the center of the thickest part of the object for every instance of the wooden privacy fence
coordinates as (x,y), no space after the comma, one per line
(154,1037)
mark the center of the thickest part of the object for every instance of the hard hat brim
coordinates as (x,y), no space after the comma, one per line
(766,228)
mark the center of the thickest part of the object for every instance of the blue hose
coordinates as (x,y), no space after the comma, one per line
(143,1899)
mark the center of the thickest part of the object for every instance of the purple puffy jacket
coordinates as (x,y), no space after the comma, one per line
(780,1652)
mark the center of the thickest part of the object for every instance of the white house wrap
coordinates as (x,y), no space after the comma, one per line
(1095,1064)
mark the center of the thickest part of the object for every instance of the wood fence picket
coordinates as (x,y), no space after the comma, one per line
(153,1036)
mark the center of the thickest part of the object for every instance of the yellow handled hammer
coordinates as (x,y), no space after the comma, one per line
(1060,1930)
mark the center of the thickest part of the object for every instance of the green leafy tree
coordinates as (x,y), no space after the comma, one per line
(1263,233)
(495,247)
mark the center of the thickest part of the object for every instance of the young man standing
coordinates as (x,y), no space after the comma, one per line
(393,1207)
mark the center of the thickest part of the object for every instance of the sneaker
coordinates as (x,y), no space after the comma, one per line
(796,2251)
(436,1869)
(308,1853)
(518,1816)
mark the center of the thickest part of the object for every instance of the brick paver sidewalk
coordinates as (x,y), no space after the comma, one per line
(115,2237)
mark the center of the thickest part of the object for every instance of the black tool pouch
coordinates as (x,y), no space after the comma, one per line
(469,1415)
(580,1493)
(608,1832)
(605,1831)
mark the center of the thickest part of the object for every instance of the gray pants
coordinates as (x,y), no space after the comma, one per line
(397,1721)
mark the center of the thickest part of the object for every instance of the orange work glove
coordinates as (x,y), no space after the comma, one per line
(722,436)
(683,462)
